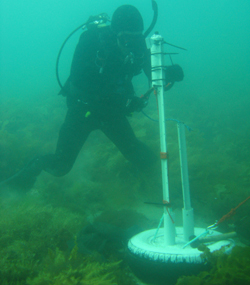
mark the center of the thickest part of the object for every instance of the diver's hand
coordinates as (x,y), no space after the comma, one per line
(137,104)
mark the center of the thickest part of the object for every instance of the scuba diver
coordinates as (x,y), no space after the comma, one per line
(100,94)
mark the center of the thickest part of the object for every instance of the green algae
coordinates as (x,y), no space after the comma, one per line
(34,230)
(33,248)
(227,269)
(59,269)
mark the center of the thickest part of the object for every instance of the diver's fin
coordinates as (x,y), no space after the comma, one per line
(26,177)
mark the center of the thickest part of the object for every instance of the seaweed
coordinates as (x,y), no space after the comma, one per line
(60,269)
(35,229)
(34,248)
(227,269)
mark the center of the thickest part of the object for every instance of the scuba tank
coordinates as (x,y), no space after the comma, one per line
(98,21)
(92,21)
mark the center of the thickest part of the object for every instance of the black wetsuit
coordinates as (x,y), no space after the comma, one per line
(98,92)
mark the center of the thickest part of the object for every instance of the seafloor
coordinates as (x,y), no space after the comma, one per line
(74,229)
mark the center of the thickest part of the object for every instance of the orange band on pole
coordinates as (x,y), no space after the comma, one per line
(163,155)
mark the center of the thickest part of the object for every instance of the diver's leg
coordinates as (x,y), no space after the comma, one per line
(72,136)
(121,134)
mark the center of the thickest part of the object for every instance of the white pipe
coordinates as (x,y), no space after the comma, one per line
(158,80)
(187,211)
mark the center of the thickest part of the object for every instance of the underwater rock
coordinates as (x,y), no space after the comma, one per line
(109,232)
(99,236)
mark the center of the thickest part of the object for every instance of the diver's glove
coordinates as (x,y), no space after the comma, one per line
(136,104)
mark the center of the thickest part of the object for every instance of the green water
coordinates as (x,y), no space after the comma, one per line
(213,100)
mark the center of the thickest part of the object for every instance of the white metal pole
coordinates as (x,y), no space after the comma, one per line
(187,211)
(158,80)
